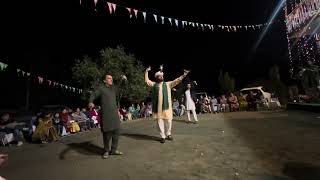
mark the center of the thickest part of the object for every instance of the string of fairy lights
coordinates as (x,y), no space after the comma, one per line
(302,47)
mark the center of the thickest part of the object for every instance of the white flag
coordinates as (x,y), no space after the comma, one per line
(170,20)
(162,20)
(144,16)
(176,21)
(155,18)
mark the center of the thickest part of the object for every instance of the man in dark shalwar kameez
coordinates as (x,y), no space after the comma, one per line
(110,122)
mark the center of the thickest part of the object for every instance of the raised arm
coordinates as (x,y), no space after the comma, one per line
(178,80)
(146,78)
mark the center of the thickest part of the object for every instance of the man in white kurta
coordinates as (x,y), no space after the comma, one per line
(190,106)
(163,116)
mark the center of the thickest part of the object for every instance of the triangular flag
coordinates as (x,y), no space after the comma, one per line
(129,10)
(182,24)
(193,24)
(74,89)
(66,87)
(155,18)
(222,27)
(40,79)
(114,7)
(170,20)
(109,7)
(246,27)
(95,3)
(212,27)
(28,74)
(202,26)
(197,24)
(144,16)
(49,82)
(253,27)
(23,73)
(176,21)
(18,70)
(162,20)
(135,12)
(2,66)
(234,28)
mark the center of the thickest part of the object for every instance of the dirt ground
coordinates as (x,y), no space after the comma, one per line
(232,146)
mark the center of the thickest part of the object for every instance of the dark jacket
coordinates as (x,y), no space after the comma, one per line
(109,112)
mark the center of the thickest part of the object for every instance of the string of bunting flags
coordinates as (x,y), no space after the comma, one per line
(42,80)
(111,7)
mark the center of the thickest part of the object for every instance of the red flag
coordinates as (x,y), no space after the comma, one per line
(109,7)
(129,10)
(114,7)
(135,12)
(40,79)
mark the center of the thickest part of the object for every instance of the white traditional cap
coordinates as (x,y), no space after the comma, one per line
(159,73)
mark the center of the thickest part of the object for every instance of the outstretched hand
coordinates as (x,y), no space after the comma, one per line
(148,69)
(124,77)
(186,72)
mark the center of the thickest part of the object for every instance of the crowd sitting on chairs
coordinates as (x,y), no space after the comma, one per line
(230,103)
(47,127)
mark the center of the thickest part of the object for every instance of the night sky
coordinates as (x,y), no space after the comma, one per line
(49,36)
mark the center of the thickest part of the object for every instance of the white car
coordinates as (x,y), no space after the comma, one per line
(255,90)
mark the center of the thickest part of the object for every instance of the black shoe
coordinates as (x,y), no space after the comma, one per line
(163,140)
(195,122)
(170,138)
(105,155)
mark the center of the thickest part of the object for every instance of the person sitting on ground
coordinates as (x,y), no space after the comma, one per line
(224,103)
(123,114)
(138,111)
(90,122)
(58,124)
(45,130)
(148,110)
(233,100)
(252,101)
(143,108)
(133,112)
(9,125)
(243,104)
(214,104)
(95,116)
(82,120)
(175,107)
(74,124)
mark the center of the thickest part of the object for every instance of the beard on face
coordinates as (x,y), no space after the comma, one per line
(159,79)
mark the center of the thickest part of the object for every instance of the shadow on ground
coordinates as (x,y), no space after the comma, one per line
(277,141)
(85,148)
(302,171)
(140,136)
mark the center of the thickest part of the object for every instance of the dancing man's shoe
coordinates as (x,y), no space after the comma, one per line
(170,138)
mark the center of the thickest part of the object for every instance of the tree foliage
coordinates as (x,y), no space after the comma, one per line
(90,72)
(226,82)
